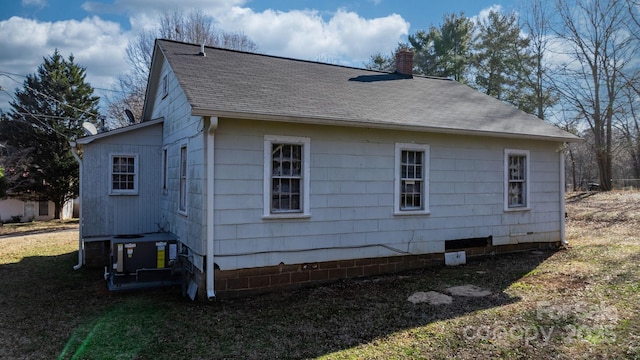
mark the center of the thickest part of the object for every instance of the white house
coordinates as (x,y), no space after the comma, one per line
(273,172)
(13,209)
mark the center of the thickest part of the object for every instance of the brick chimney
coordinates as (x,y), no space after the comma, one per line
(404,62)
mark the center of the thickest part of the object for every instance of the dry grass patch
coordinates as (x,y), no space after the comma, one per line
(610,206)
(17,248)
(35,227)
(578,303)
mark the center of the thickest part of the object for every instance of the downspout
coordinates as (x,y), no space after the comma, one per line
(74,152)
(213,125)
(562,200)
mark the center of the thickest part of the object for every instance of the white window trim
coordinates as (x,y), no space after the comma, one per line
(164,176)
(165,85)
(184,211)
(527,187)
(426,149)
(306,172)
(136,174)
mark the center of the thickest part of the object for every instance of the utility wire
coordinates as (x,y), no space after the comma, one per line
(47,96)
(95,88)
(111,90)
(35,117)
(44,115)
(14,74)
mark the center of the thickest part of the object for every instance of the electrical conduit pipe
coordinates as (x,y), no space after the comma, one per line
(74,152)
(213,125)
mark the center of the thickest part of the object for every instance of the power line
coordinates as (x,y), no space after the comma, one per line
(36,118)
(43,115)
(6,72)
(110,90)
(47,96)
(95,88)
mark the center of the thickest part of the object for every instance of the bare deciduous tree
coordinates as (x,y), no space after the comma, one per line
(629,125)
(537,27)
(600,53)
(193,27)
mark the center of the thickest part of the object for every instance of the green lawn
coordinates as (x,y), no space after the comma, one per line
(582,302)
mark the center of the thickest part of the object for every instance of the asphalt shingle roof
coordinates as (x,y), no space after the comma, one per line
(228,83)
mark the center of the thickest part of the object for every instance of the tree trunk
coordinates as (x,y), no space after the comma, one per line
(573,170)
(604,167)
(57,214)
(636,159)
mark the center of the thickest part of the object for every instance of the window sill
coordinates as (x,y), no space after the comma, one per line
(286,216)
(517,209)
(123,193)
(411,212)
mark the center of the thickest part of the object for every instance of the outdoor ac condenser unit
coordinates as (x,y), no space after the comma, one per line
(143,260)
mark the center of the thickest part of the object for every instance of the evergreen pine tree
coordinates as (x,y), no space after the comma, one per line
(445,51)
(503,61)
(48,113)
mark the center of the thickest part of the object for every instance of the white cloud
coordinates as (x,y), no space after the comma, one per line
(345,37)
(484,13)
(97,45)
(144,14)
(342,37)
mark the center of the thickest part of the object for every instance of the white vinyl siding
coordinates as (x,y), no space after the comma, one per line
(286,177)
(118,214)
(411,179)
(124,174)
(516,169)
(352,190)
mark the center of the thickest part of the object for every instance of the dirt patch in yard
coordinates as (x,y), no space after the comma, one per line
(431,297)
(468,290)
(436,298)
(579,302)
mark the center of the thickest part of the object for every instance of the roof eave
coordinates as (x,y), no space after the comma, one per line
(374,124)
(89,139)
(152,80)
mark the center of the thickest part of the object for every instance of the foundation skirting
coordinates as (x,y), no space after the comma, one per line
(250,281)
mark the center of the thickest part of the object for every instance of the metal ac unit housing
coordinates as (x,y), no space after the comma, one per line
(143,261)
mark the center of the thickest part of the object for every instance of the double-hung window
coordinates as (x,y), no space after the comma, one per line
(516,181)
(165,86)
(165,169)
(286,176)
(182,200)
(411,195)
(43,208)
(124,174)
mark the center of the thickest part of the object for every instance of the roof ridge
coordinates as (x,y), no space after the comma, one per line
(301,60)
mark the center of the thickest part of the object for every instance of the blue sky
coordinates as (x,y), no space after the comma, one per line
(97,32)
